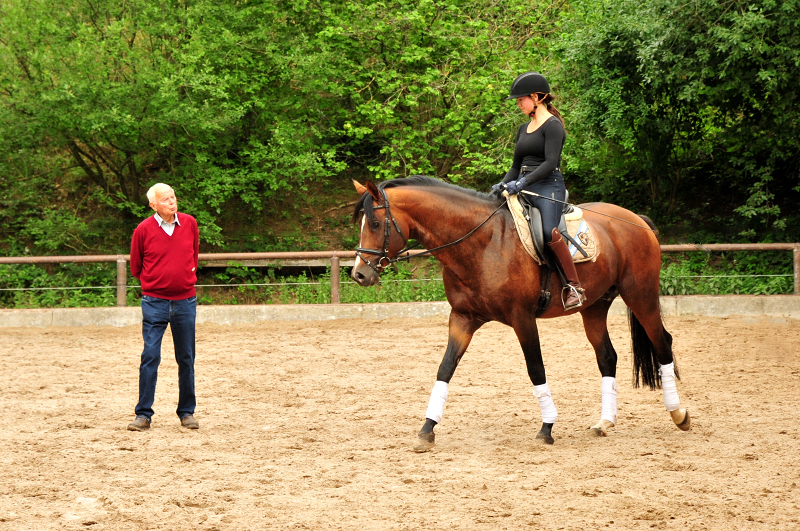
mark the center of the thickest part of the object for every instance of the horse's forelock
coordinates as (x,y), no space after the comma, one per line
(364,205)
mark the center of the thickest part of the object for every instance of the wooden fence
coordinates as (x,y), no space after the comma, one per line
(334,259)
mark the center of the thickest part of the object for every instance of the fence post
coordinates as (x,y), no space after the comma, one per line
(334,279)
(122,280)
(797,269)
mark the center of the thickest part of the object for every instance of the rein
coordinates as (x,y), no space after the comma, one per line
(383,255)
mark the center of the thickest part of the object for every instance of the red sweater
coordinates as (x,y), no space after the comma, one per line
(166,265)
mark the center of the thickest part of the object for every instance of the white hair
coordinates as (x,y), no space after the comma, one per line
(151,193)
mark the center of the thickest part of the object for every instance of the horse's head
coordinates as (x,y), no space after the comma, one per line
(381,236)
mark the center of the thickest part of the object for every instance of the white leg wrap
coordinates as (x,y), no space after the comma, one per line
(436,403)
(542,393)
(609,391)
(671,400)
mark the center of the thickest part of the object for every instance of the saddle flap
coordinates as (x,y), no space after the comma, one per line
(528,221)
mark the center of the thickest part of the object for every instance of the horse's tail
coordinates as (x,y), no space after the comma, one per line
(645,361)
(649,223)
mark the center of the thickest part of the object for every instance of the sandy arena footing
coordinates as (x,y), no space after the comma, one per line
(311,425)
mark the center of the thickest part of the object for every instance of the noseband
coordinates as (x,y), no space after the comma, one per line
(383,255)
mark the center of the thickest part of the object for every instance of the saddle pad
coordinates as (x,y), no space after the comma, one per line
(577,228)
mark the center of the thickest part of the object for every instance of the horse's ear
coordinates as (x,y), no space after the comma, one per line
(360,188)
(374,192)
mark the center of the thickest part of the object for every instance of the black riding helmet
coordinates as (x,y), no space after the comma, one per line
(527,84)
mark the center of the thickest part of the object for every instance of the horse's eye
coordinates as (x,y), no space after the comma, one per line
(375,225)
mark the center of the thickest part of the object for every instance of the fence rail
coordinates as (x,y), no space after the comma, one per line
(335,257)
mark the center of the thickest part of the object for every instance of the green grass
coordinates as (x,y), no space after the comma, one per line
(400,285)
(726,273)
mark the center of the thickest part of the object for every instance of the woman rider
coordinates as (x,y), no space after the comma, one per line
(535,168)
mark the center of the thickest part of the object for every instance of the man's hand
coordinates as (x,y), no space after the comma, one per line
(514,187)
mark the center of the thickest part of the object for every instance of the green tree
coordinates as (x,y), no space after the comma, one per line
(136,92)
(679,102)
(418,86)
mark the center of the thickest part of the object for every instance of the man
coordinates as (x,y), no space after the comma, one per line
(164,252)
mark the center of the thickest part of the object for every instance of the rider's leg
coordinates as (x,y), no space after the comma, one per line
(558,246)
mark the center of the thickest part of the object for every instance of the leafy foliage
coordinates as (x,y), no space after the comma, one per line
(670,99)
(742,273)
(398,285)
(250,109)
(423,82)
(139,92)
(90,285)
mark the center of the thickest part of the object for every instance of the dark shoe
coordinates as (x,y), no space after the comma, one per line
(575,296)
(139,424)
(190,422)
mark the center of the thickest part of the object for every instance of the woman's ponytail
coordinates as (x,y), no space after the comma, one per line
(548,101)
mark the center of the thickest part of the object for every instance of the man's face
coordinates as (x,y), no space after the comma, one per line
(165,205)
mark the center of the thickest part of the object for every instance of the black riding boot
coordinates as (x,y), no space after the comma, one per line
(575,296)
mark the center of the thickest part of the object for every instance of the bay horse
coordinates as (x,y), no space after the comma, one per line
(488,276)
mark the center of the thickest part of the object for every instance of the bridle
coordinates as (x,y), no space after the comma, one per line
(383,260)
(383,255)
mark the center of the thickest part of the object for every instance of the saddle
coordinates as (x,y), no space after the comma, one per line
(528,220)
(572,227)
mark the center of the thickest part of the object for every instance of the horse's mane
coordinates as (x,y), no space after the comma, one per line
(365,202)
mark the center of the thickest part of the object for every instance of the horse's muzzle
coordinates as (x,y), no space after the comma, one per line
(364,276)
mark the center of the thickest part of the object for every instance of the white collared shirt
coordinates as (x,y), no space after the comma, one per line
(169,228)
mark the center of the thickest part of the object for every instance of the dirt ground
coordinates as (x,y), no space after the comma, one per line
(310,425)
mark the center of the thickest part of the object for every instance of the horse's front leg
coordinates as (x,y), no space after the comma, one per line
(528,335)
(461,330)
(595,323)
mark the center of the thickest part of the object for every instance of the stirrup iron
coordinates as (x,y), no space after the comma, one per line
(579,293)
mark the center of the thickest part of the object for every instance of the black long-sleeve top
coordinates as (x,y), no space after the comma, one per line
(540,149)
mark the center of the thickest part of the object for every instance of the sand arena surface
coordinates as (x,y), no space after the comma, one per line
(310,425)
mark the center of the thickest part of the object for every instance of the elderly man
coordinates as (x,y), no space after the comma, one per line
(164,254)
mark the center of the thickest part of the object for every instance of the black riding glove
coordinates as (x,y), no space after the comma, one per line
(497,189)
(514,187)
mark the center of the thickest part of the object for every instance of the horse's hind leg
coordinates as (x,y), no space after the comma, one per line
(595,323)
(652,350)
(461,330)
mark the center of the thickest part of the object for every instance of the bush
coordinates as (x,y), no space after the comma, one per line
(740,273)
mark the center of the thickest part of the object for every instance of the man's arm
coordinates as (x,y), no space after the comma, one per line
(137,252)
(196,245)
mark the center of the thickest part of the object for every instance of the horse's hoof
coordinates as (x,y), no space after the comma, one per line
(547,439)
(601,428)
(425,442)
(681,419)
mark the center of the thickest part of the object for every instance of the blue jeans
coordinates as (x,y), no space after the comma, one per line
(180,315)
